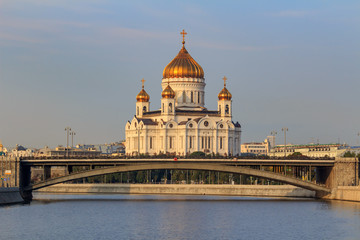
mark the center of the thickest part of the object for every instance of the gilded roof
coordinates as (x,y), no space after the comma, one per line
(224,94)
(168,92)
(142,96)
(183,66)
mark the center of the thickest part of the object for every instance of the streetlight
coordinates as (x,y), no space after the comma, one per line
(72,138)
(273,133)
(284,129)
(138,131)
(67,129)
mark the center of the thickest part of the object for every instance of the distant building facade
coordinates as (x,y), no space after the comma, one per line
(20,151)
(310,150)
(60,152)
(256,148)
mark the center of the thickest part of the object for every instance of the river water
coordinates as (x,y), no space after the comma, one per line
(178,217)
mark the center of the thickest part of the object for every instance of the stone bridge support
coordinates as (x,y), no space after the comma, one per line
(47,172)
(344,173)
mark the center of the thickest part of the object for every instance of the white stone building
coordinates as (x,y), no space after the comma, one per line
(183,125)
(309,150)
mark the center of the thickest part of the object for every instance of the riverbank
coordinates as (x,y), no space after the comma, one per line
(10,196)
(345,193)
(184,189)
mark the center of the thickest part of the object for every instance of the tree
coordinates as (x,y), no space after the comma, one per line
(197,155)
(349,154)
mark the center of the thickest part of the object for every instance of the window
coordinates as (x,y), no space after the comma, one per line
(170,107)
(184,97)
(170,142)
(219,108)
(227,109)
(198,94)
(221,143)
(163,109)
(151,142)
(206,123)
(144,109)
(192,97)
(137,111)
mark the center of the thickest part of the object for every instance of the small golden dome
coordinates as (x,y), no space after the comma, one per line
(224,94)
(142,96)
(183,65)
(168,92)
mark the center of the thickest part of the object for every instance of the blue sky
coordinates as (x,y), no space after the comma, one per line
(79,63)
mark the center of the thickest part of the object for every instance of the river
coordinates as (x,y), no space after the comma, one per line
(178,217)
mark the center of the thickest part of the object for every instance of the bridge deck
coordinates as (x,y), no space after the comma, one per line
(238,162)
(182,165)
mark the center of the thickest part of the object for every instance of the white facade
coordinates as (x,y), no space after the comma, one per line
(183,125)
(310,150)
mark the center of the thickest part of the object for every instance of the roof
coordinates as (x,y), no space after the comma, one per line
(147,121)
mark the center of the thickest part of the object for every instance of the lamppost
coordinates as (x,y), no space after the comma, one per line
(273,133)
(67,129)
(138,131)
(284,129)
(72,138)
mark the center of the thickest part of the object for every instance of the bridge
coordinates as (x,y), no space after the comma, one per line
(183,166)
(329,173)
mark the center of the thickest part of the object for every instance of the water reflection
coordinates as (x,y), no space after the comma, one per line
(178,217)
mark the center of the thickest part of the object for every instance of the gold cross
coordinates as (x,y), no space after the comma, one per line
(142,80)
(224,78)
(183,33)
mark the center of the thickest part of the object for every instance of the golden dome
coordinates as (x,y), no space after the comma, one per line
(142,96)
(168,92)
(224,94)
(183,65)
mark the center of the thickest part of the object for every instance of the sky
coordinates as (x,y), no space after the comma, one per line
(293,64)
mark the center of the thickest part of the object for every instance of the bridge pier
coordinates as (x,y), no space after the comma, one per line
(25,180)
(69,169)
(344,173)
(47,172)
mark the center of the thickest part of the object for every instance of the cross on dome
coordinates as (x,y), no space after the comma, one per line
(224,78)
(183,33)
(142,81)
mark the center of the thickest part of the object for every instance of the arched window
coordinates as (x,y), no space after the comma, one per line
(170,107)
(192,97)
(198,94)
(227,109)
(144,109)
(184,97)
(219,108)
(163,109)
(137,111)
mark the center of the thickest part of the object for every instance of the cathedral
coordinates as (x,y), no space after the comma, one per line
(183,124)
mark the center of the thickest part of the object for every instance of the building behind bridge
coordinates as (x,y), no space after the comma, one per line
(310,150)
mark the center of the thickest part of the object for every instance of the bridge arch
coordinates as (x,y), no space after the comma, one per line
(182,166)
